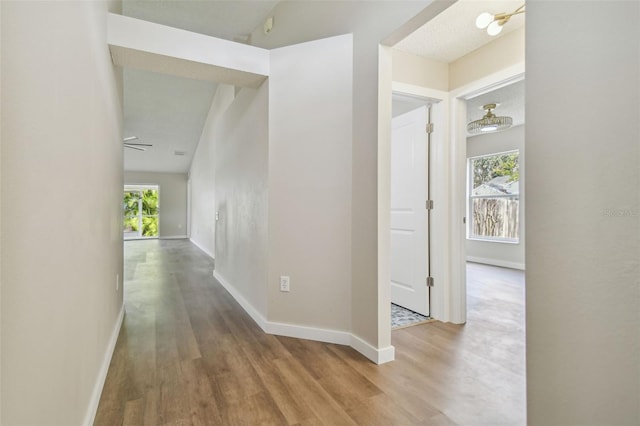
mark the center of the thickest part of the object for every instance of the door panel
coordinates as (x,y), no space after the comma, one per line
(408,213)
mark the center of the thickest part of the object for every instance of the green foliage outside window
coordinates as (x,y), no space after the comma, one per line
(489,167)
(147,200)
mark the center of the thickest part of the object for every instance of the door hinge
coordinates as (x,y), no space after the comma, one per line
(430,282)
(429,205)
(429,128)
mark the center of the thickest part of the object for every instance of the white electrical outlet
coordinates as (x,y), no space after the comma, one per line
(285,283)
(117,282)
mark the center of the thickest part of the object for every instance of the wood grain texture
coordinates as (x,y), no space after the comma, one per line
(188,354)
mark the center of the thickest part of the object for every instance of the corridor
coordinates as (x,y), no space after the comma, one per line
(188,354)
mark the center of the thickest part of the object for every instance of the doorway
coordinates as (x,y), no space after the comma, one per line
(410,221)
(141,205)
(495,180)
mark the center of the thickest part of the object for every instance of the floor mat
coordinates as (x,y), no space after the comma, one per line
(401,317)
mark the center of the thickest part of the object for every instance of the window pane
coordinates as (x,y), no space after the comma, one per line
(494,193)
(496,174)
(131,224)
(150,202)
(495,218)
(131,203)
(150,226)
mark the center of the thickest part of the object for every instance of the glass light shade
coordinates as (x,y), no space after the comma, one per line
(489,124)
(494,28)
(483,20)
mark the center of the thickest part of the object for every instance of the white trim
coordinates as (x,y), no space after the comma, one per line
(189,202)
(141,186)
(92,409)
(174,237)
(457,295)
(248,307)
(379,356)
(496,262)
(458,187)
(202,248)
(443,225)
(309,333)
(491,82)
(140,238)
(419,91)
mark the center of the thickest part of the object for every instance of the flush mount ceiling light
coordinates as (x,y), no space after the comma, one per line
(494,23)
(490,122)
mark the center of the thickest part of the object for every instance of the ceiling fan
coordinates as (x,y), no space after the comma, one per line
(136,146)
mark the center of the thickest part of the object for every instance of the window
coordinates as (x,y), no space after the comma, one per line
(141,211)
(494,197)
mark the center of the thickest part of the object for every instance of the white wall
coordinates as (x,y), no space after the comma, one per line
(419,71)
(370,22)
(310,128)
(509,255)
(202,174)
(241,196)
(0,223)
(61,210)
(173,199)
(501,53)
(583,213)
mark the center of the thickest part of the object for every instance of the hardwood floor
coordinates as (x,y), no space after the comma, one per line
(188,354)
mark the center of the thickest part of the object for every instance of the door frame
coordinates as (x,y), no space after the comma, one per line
(423,105)
(458,105)
(439,101)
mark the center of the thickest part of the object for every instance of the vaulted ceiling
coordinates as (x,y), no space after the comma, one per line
(169,112)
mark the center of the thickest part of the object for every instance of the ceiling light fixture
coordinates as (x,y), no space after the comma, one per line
(136,146)
(490,122)
(494,23)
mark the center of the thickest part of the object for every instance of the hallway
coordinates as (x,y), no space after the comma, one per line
(188,354)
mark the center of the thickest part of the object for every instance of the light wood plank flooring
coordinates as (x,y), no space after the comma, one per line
(188,354)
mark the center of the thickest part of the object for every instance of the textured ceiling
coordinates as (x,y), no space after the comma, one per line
(169,112)
(453,33)
(230,20)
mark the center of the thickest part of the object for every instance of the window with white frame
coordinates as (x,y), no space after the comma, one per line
(494,197)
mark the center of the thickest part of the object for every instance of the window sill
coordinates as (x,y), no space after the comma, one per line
(490,240)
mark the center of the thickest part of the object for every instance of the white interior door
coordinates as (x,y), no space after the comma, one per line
(408,211)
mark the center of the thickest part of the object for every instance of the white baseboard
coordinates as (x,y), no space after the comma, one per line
(195,243)
(496,262)
(174,237)
(379,356)
(309,333)
(248,307)
(92,409)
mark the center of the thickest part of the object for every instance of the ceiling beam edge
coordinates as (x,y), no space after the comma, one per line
(144,45)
